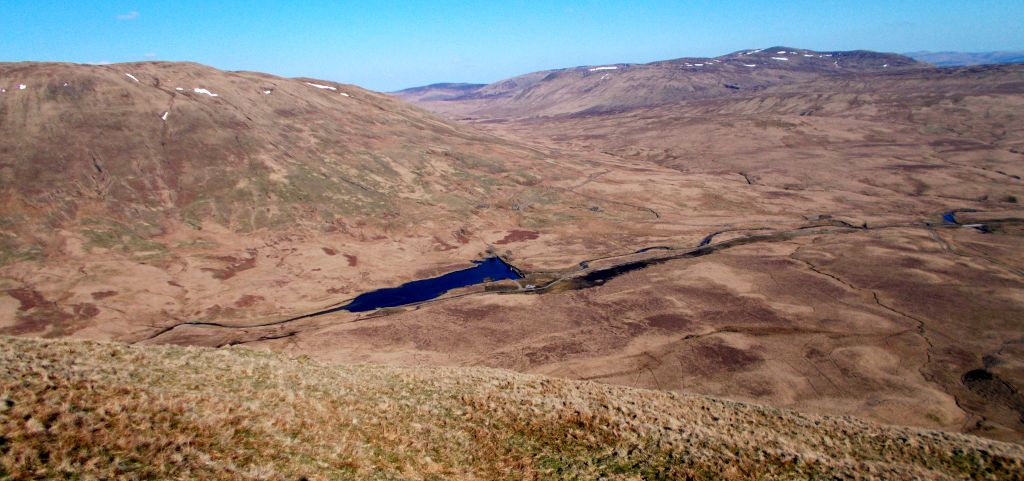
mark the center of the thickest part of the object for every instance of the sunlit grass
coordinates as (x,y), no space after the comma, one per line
(82,410)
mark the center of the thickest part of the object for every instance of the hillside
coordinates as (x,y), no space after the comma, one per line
(146,193)
(80,410)
(150,144)
(608,88)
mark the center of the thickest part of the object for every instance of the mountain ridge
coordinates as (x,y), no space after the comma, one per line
(615,86)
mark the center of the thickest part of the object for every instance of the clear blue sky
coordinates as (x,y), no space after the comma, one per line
(390,45)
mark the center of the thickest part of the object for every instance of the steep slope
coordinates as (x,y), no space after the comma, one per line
(79,410)
(152,143)
(622,86)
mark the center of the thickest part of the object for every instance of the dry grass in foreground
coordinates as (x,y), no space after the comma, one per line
(84,410)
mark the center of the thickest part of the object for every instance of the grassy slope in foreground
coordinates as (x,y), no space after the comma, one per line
(79,410)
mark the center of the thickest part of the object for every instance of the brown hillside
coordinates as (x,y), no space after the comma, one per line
(614,87)
(82,410)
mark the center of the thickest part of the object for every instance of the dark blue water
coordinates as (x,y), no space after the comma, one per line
(489,269)
(950,217)
(655,248)
(707,239)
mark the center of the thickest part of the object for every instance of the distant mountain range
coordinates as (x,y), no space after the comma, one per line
(956,59)
(613,87)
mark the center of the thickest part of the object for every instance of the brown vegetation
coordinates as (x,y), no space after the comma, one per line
(831,285)
(71,409)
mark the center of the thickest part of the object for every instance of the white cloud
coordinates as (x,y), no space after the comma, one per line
(128,16)
(150,55)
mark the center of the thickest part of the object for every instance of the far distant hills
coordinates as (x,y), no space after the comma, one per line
(613,87)
(958,59)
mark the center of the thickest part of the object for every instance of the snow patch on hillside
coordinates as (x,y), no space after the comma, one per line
(603,68)
(204,91)
(327,87)
(132,77)
(784,59)
(164,116)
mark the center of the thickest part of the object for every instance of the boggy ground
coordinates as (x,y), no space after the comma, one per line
(883,325)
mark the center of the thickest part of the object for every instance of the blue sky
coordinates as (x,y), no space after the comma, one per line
(390,45)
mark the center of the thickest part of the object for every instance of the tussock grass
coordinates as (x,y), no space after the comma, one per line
(85,410)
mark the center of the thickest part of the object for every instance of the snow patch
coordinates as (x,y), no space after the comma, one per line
(750,65)
(604,77)
(603,68)
(2,91)
(328,87)
(132,77)
(268,92)
(808,55)
(179,89)
(204,91)
(885,66)
(782,51)
(164,116)
(784,59)
(345,94)
(22,86)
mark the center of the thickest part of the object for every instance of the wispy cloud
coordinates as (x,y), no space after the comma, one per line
(128,16)
(149,55)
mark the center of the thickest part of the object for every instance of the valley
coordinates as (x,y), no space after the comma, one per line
(781,241)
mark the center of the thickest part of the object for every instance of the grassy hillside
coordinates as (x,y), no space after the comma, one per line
(83,410)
